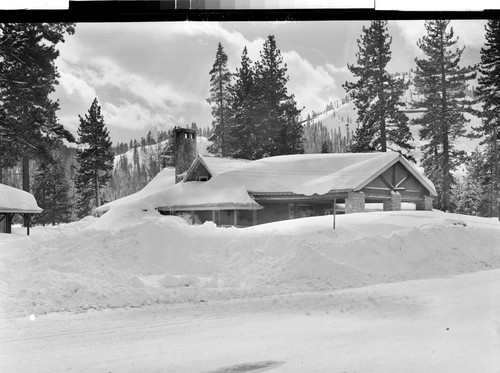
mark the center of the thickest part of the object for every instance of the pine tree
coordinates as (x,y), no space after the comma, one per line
(279,130)
(28,122)
(95,159)
(51,190)
(123,163)
(150,140)
(168,155)
(220,83)
(243,105)
(467,197)
(135,157)
(470,195)
(376,95)
(488,93)
(442,84)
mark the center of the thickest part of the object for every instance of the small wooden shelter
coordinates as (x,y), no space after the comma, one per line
(16,201)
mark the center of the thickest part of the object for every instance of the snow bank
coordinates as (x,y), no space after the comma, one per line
(135,258)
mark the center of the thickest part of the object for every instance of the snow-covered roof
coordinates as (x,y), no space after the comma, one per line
(13,200)
(310,174)
(218,165)
(162,192)
(234,181)
(215,165)
(147,197)
(199,195)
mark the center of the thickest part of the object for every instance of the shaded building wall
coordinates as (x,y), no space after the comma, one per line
(273,212)
(3,224)
(200,173)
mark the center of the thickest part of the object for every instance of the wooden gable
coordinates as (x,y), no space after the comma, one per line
(396,178)
(198,172)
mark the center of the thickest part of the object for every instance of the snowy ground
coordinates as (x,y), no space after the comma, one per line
(440,325)
(406,291)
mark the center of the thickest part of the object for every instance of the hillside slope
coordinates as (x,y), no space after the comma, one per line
(343,118)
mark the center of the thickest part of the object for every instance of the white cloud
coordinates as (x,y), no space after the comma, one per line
(232,41)
(470,32)
(138,89)
(337,70)
(131,116)
(313,86)
(104,72)
(411,32)
(71,85)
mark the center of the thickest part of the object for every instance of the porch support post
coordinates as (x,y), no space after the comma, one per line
(27,221)
(8,223)
(254,216)
(393,203)
(355,202)
(235,217)
(425,204)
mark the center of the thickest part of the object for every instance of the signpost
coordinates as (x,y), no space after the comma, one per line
(335,210)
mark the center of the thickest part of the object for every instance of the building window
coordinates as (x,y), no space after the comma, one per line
(202,178)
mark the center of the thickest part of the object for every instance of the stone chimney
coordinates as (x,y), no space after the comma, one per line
(184,151)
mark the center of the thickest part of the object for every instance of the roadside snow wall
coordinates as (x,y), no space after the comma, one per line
(132,259)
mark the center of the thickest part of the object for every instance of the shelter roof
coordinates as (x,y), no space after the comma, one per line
(14,200)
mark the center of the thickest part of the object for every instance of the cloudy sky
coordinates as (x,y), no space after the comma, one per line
(156,75)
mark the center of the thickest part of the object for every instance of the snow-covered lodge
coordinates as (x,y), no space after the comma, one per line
(244,193)
(16,201)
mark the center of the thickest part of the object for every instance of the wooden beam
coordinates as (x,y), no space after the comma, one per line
(384,180)
(394,174)
(403,180)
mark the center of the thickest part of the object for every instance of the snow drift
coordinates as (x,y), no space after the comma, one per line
(131,258)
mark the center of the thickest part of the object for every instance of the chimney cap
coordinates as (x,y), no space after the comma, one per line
(188,130)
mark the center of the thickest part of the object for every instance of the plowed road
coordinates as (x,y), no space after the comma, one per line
(440,325)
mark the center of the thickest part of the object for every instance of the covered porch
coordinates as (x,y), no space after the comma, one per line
(223,215)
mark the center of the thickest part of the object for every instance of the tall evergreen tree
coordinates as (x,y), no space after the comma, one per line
(244,103)
(442,83)
(279,129)
(488,92)
(376,94)
(51,190)
(220,96)
(28,122)
(95,159)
